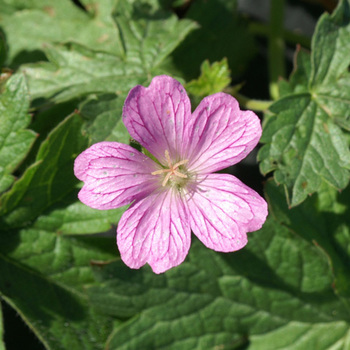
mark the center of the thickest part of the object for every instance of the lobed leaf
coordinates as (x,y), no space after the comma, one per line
(15,140)
(75,71)
(147,38)
(304,141)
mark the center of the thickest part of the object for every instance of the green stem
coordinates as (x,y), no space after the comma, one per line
(248,103)
(255,105)
(276,46)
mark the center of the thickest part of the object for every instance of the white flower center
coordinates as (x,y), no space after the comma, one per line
(172,172)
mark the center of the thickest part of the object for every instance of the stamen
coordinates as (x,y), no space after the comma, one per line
(161,171)
(166,179)
(182,162)
(167,156)
(172,170)
(180,174)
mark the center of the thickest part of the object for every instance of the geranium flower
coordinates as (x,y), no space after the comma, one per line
(175,190)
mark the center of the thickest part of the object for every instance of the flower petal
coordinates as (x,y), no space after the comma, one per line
(114,174)
(155,116)
(222,210)
(156,231)
(221,134)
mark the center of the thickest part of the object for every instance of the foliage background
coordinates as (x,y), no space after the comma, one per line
(66,68)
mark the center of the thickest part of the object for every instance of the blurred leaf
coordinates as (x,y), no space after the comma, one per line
(73,71)
(305,145)
(15,140)
(2,345)
(48,180)
(279,281)
(214,78)
(103,115)
(222,33)
(28,25)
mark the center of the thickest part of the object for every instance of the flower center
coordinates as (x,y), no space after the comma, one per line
(172,170)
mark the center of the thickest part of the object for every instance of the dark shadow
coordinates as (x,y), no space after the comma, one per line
(44,120)
(3,48)
(38,298)
(17,335)
(9,240)
(27,57)
(79,4)
(221,33)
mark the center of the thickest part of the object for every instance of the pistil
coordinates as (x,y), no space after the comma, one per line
(172,169)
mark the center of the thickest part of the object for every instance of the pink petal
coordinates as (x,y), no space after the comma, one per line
(156,231)
(114,174)
(221,134)
(155,116)
(222,210)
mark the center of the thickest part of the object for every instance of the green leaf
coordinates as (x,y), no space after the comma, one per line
(44,272)
(103,115)
(149,35)
(224,300)
(305,144)
(322,220)
(300,75)
(48,180)
(28,25)
(306,149)
(74,71)
(60,258)
(77,218)
(301,336)
(214,78)
(2,344)
(43,276)
(15,140)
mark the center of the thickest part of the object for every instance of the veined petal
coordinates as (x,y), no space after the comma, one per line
(155,116)
(156,231)
(114,175)
(222,210)
(221,134)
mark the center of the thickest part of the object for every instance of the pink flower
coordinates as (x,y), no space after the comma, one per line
(180,191)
